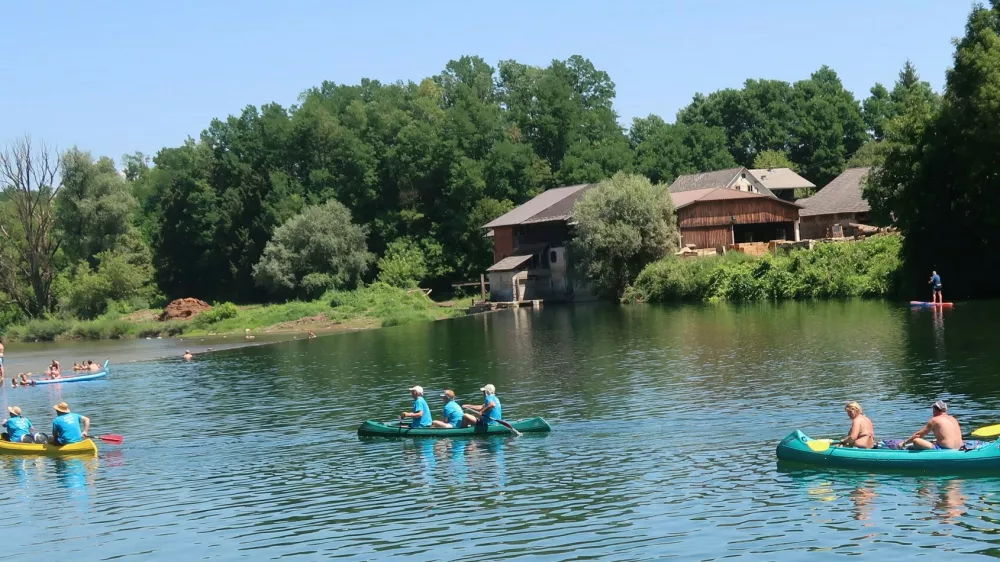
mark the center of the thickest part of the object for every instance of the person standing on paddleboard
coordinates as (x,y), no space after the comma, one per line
(935,284)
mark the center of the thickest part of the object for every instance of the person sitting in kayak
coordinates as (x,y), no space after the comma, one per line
(935,284)
(947,431)
(452,412)
(421,414)
(862,434)
(488,413)
(66,427)
(18,427)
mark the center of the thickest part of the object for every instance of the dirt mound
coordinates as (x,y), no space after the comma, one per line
(183,309)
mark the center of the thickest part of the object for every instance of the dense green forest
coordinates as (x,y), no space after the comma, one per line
(359,182)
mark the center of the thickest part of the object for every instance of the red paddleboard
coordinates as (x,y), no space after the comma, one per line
(929,304)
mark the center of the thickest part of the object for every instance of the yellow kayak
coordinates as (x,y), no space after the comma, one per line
(85,447)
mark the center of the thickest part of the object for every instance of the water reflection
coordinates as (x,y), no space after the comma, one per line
(862,497)
(946,499)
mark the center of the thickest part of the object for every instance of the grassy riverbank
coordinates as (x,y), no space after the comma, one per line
(374,306)
(863,269)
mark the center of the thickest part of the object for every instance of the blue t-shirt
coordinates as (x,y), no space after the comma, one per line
(496,413)
(453,413)
(936,280)
(17,427)
(420,405)
(66,429)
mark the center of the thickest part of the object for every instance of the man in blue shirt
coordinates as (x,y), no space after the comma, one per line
(66,427)
(421,414)
(18,427)
(488,413)
(935,284)
(452,412)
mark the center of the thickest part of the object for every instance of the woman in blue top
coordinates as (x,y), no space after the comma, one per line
(452,412)
(421,414)
(18,427)
(488,413)
(66,427)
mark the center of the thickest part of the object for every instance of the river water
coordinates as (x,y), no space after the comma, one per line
(664,427)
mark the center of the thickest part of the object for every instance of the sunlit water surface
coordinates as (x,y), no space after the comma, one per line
(664,427)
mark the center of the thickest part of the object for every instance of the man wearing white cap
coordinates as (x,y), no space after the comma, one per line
(947,432)
(488,413)
(421,414)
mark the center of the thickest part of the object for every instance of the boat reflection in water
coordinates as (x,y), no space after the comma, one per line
(455,459)
(947,500)
(862,497)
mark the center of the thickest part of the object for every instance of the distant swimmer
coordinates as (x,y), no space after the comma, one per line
(187,355)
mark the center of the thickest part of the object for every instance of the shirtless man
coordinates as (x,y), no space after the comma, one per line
(862,434)
(945,428)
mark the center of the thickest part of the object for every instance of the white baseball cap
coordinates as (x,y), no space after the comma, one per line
(489,388)
(419,389)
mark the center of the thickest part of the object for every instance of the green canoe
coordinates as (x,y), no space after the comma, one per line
(794,448)
(373,428)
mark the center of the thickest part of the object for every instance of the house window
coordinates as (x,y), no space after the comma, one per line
(553,256)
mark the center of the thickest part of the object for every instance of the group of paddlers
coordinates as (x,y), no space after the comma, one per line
(53,371)
(67,427)
(455,416)
(947,432)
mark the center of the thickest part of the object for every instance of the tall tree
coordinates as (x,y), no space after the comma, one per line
(939,177)
(31,180)
(664,151)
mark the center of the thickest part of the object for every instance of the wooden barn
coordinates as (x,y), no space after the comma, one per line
(837,208)
(713,217)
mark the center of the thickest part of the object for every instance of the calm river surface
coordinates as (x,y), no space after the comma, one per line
(665,422)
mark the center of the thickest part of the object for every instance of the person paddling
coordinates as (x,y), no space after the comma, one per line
(935,283)
(862,434)
(487,414)
(66,427)
(18,427)
(421,413)
(452,412)
(947,431)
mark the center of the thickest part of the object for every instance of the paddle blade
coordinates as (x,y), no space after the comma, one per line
(988,431)
(819,445)
(112,438)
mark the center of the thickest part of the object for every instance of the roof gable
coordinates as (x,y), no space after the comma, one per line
(841,195)
(719,178)
(550,205)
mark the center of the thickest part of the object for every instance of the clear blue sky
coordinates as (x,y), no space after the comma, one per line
(115,77)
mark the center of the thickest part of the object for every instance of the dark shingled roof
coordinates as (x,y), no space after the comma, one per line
(842,195)
(509,263)
(719,178)
(551,205)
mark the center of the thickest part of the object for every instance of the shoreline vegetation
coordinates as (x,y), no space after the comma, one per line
(869,268)
(374,306)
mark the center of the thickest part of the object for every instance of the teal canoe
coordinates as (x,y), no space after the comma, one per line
(794,448)
(373,428)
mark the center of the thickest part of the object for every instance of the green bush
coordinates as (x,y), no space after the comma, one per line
(42,329)
(216,314)
(862,269)
(103,329)
(403,265)
(406,317)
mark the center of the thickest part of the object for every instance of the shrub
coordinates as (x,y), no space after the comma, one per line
(622,225)
(865,269)
(42,329)
(403,265)
(215,314)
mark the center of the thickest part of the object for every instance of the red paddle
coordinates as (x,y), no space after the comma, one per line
(112,438)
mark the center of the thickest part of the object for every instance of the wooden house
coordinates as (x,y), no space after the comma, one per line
(836,207)
(714,217)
